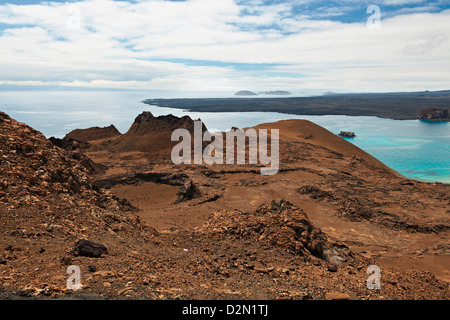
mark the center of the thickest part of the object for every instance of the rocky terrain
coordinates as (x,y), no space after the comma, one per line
(434,114)
(94,133)
(165,231)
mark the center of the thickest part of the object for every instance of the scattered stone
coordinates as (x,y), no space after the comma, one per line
(332,268)
(285,271)
(188,191)
(89,249)
(123,291)
(66,261)
(92,268)
(263,270)
(337,296)
(278,223)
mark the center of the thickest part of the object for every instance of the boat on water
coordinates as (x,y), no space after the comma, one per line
(347,134)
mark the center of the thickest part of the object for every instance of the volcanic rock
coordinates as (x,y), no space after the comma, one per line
(343,208)
(89,249)
(434,114)
(188,191)
(152,134)
(279,224)
(48,200)
(93,133)
(74,150)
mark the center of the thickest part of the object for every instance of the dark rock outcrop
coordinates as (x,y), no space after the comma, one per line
(91,134)
(188,191)
(89,249)
(434,114)
(152,134)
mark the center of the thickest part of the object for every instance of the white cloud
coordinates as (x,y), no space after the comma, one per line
(401,2)
(123,44)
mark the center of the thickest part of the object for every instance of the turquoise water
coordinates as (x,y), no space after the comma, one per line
(416,149)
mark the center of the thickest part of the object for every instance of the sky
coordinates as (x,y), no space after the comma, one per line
(226,45)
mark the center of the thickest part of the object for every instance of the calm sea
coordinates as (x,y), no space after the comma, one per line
(417,149)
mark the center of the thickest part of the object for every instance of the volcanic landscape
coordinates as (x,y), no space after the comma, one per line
(157,230)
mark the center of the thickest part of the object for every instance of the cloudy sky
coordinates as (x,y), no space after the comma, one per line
(226,45)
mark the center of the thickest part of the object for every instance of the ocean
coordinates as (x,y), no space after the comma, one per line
(414,148)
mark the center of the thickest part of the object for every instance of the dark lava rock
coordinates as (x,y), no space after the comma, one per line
(188,191)
(332,268)
(66,261)
(89,249)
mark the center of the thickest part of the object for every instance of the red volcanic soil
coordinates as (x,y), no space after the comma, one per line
(215,231)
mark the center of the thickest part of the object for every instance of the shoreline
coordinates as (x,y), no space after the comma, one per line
(152,103)
(281,112)
(395,106)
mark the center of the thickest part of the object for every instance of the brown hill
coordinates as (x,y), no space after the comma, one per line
(152,134)
(311,133)
(94,133)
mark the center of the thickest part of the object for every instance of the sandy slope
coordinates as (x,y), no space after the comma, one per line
(309,132)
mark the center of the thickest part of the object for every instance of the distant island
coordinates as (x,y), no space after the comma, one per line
(245,93)
(274,93)
(393,105)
